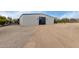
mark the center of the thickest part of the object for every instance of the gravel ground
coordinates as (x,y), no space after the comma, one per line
(55,36)
(43,36)
(15,36)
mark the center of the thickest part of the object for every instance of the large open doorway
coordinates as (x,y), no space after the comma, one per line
(42,20)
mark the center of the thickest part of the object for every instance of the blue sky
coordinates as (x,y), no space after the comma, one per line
(59,14)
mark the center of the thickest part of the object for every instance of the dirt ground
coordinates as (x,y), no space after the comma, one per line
(15,36)
(43,36)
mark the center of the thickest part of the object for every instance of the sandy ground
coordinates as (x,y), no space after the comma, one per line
(44,36)
(15,36)
(55,36)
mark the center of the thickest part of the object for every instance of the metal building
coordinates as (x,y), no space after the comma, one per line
(35,19)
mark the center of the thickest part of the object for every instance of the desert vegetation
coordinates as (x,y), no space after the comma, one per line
(8,21)
(66,20)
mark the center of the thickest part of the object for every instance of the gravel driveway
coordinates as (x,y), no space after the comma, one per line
(15,36)
(43,36)
(55,36)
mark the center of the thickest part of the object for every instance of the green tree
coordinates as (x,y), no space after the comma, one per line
(2,17)
(10,20)
(65,20)
(16,21)
(3,20)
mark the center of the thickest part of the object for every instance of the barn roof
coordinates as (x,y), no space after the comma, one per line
(34,14)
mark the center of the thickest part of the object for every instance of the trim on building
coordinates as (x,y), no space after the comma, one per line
(34,14)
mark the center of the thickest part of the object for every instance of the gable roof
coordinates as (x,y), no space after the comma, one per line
(34,14)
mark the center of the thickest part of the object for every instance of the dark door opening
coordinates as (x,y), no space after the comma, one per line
(42,20)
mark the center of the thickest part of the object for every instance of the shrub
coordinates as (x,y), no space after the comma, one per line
(2,21)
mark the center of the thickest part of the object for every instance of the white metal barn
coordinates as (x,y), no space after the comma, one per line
(35,19)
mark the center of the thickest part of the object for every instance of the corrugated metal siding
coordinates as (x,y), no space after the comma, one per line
(30,20)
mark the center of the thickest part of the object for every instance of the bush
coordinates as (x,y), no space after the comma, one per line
(2,21)
(8,21)
(63,20)
(16,21)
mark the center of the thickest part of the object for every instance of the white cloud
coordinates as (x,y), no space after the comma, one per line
(16,14)
(22,12)
(74,14)
(13,14)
